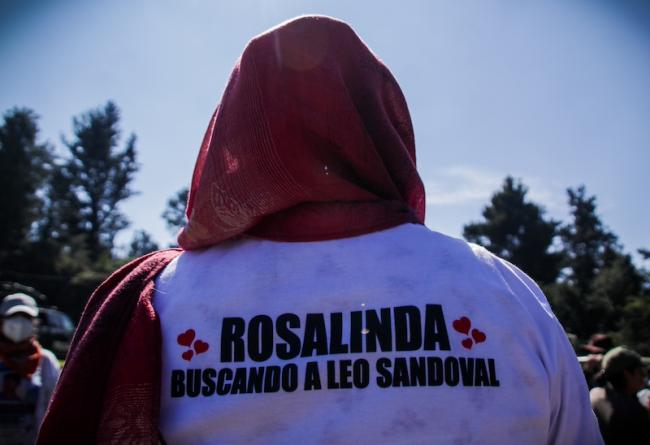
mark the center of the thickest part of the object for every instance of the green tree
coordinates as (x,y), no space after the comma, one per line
(600,280)
(100,176)
(636,324)
(62,221)
(645,273)
(59,217)
(602,308)
(515,229)
(141,244)
(174,214)
(636,314)
(645,253)
(618,282)
(588,244)
(24,169)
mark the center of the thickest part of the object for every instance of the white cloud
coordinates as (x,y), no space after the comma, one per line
(460,185)
(550,195)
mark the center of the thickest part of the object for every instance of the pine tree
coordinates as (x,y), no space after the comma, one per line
(99,176)
(141,244)
(618,282)
(516,230)
(645,253)
(588,244)
(600,279)
(24,168)
(174,214)
(636,324)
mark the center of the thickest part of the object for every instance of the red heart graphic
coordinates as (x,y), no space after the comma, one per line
(200,347)
(478,336)
(467,343)
(187,355)
(462,325)
(186,338)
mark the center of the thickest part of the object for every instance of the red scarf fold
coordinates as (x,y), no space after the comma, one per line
(109,389)
(312,141)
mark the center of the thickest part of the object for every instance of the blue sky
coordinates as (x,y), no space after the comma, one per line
(556,93)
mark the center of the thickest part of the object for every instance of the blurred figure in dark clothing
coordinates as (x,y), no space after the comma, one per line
(622,419)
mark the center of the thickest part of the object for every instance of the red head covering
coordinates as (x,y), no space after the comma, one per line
(312,141)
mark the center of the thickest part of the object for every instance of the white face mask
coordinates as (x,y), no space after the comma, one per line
(17,329)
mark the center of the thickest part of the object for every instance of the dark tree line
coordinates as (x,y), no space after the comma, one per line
(59,215)
(174,214)
(592,284)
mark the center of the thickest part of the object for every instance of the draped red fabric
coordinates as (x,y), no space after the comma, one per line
(109,390)
(312,140)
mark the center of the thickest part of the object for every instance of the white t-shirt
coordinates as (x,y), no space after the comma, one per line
(403,336)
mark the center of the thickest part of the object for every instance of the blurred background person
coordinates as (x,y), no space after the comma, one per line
(621,417)
(597,345)
(28,373)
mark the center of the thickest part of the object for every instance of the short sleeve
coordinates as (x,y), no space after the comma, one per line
(572,420)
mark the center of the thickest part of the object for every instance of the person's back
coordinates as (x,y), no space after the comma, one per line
(310,305)
(398,336)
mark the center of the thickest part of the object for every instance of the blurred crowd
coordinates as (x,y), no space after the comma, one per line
(619,389)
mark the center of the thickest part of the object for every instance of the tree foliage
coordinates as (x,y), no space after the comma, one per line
(588,244)
(636,323)
(100,176)
(600,279)
(59,216)
(515,229)
(24,170)
(591,283)
(174,214)
(141,244)
(645,253)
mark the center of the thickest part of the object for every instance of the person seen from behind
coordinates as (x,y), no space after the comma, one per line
(309,303)
(621,417)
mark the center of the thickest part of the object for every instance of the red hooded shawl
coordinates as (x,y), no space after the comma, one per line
(312,141)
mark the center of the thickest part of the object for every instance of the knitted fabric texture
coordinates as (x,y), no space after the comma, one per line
(312,141)
(109,390)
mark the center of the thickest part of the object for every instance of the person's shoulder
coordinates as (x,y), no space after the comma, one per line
(49,355)
(597,395)
(159,256)
(431,240)
(49,359)
(509,272)
(601,403)
(489,268)
(463,252)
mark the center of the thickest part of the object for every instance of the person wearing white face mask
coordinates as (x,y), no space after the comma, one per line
(28,372)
